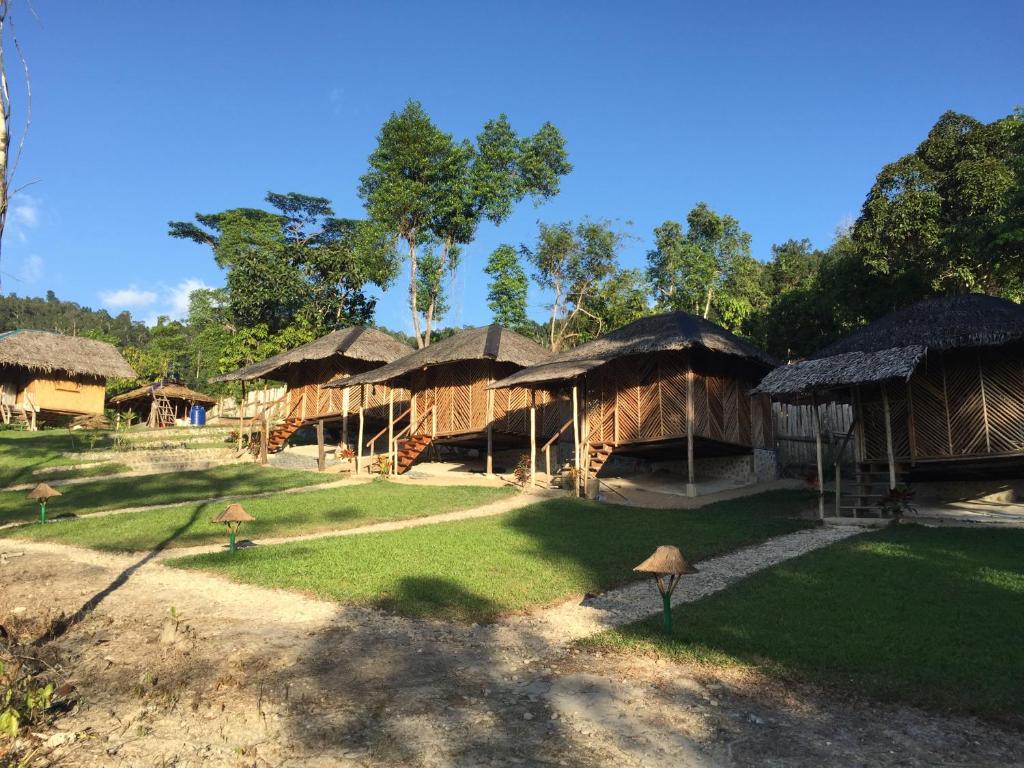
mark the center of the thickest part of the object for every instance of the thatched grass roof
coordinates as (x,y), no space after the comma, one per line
(367,344)
(490,342)
(53,353)
(891,347)
(167,389)
(667,332)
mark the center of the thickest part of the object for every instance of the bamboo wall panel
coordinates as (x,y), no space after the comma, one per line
(961,404)
(309,399)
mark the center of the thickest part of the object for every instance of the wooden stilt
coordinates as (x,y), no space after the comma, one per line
(691,470)
(344,418)
(819,452)
(533,438)
(576,434)
(359,443)
(391,427)
(241,417)
(264,438)
(321,459)
(888,438)
(490,431)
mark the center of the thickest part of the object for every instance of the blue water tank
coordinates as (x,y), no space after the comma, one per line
(197,416)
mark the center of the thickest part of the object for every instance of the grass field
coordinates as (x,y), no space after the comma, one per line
(23,452)
(930,616)
(166,488)
(278,515)
(476,569)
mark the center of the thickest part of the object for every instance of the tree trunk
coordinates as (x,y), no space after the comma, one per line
(707,304)
(412,293)
(5,127)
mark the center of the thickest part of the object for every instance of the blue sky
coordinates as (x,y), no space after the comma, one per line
(777,113)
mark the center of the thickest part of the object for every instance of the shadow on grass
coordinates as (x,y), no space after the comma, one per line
(61,625)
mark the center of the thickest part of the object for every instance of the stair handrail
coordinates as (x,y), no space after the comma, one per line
(557,435)
(390,425)
(838,461)
(409,427)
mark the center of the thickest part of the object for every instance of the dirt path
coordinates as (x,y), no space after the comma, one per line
(246,676)
(485,510)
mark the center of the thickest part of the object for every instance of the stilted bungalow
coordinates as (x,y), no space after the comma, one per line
(450,401)
(308,369)
(46,375)
(161,403)
(666,387)
(936,388)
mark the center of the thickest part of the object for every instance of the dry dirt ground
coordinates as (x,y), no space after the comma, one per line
(244,676)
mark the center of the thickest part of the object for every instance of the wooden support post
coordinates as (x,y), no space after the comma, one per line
(264,438)
(691,470)
(888,438)
(241,416)
(321,460)
(433,416)
(392,453)
(533,438)
(490,432)
(819,452)
(576,434)
(344,418)
(359,444)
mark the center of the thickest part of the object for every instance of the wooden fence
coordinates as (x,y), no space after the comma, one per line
(794,435)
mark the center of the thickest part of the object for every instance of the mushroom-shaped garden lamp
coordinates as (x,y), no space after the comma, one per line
(42,493)
(233,517)
(668,565)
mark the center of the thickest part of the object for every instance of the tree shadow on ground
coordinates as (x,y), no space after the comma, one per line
(60,626)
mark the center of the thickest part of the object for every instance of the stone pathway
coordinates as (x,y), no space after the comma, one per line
(486,510)
(573,620)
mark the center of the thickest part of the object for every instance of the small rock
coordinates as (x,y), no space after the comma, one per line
(755,719)
(527,716)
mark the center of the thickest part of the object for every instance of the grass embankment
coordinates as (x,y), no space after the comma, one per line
(278,515)
(474,570)
(21,453)
(934,617)
(165,488)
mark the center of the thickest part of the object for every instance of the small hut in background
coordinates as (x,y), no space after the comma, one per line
(669,386)
(162,403)
(49,375)
(306,370)
(938,385)
(450,401)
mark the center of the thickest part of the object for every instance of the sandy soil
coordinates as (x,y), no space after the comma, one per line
(244,676)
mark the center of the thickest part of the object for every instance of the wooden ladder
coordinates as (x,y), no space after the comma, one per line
(162,414)
(861,495)
(411,449)
(597,455)
(279,435)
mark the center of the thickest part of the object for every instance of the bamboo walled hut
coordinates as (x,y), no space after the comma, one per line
(667,386)
(937,385)
(161,403)
(450,401)
(308,369)
(50,375)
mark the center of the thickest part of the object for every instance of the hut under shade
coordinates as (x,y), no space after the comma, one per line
(936,388)
(666,387)
(51,375)
(450,403)
(308,369)
(162,403)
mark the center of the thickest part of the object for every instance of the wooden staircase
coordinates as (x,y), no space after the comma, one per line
(597,455)
(411,449)
(860,495)
(280,434)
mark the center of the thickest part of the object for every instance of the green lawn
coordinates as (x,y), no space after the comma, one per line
(474,570)
(279,515)
(167,488)
(930,616)
(23,452)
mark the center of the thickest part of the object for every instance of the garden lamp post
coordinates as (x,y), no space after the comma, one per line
(668,565)
(42,493)
(233,517)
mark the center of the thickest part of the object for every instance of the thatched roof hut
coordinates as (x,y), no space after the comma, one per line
(171,390)
(450,402)
(362,344)
(649,387)
(48,373)
(45,352)
(891,348)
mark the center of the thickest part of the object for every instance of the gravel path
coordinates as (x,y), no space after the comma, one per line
(573,620)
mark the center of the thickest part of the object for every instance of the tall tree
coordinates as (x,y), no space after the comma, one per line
(936,219)
(508,288)
(621,298)
(422,185)
(9,164)
(572,261)
(691,270)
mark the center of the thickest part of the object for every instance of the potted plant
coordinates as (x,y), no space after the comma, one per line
(897,502)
